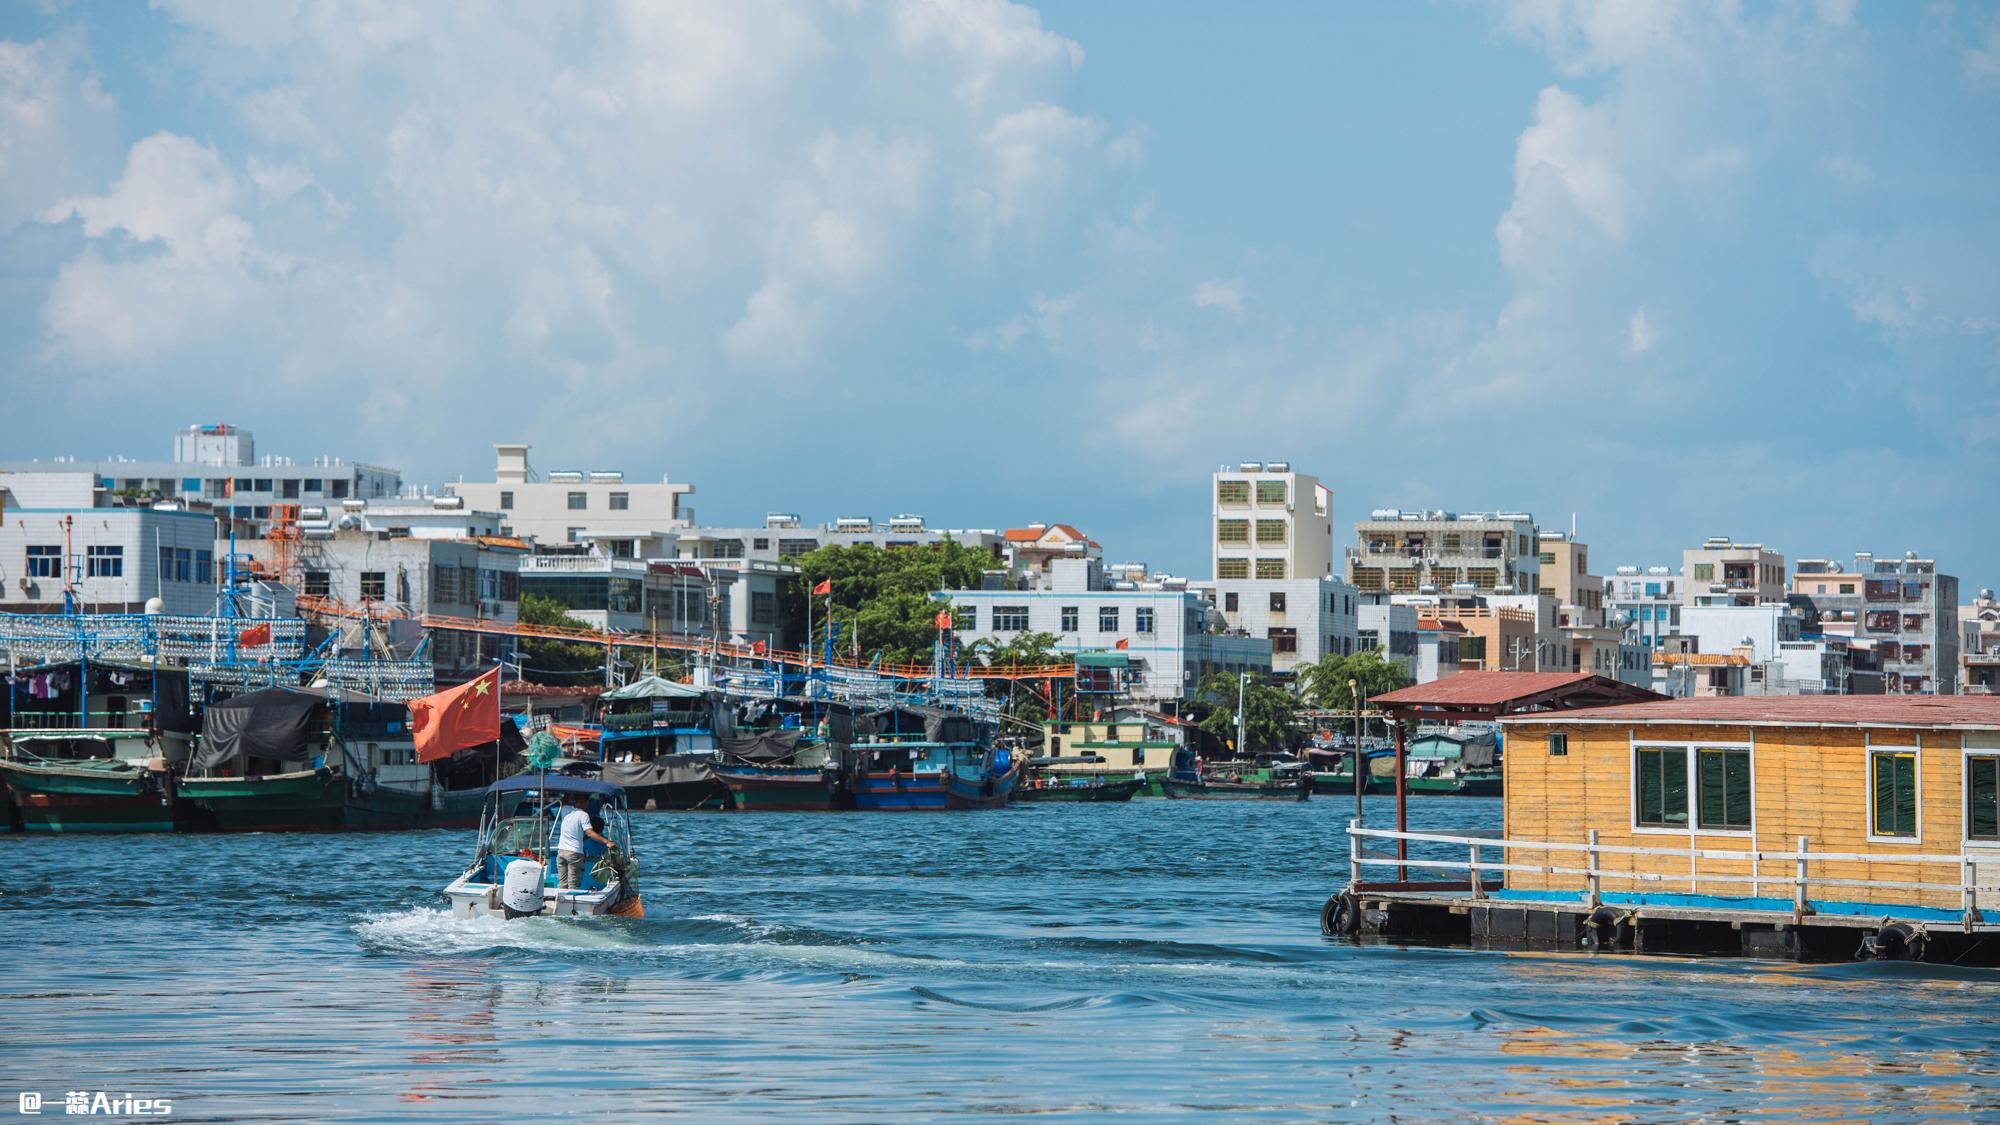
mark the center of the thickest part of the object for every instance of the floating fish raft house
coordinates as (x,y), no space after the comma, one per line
(1798,827)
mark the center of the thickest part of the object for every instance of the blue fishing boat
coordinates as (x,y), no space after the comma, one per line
(908,776)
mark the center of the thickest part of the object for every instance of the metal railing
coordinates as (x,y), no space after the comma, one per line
(1796,881)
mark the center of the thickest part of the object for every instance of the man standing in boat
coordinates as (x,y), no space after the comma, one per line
(571,832)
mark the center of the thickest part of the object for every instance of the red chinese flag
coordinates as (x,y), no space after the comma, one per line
(1123,644)
(825,587)
(943,619)
(256,636)
(450,721)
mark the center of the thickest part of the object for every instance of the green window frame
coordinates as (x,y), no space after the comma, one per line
(1982,797)
(1662,786)
(1232,531)
(1270,492)
(1722,774)
(1232,568)
(1892,793)
(1232,492)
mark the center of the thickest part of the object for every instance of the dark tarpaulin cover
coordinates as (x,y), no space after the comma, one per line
(170,707)
(950,728)
(892,720)
(274,723)
(1477,753)
(761,746)
(667,769)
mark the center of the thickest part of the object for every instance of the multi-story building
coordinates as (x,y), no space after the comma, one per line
(1495,639)
(217,465)
(1270,523)
(1647,602)
(1757,629)
(1168,634)
(632,595)
(67,537)
(1440,552)
(1979,646)
(1390,630)
(1903,605)
(1029,550)
(620,519)
(1722,572)
(1682,674)
(1437,649)
(1303,618)
(1565,573)
(784,538)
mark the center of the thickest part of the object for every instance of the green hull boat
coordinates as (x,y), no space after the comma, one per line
(323,801)
(100,795)
(1080,789)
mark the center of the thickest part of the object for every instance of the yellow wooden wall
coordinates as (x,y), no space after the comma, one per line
(1806,782)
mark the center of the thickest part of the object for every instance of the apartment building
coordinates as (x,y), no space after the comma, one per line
(1979,645)
(1723,572)
(1165,632)
(1903,605)
(216,465)
(783,537)
(1440,552)
(1648,603)
(1303,618)
(67,539)
(1756,629)
(1270,523)
(619,518)
(1437,649)
(1494,639)
(1390,630)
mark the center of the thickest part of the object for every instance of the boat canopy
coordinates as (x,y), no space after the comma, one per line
(653,687)
(274,723)
(555,783)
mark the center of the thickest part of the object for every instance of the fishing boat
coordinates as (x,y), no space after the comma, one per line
(1332,770)
(773,772)
(1455,763)
(512,874)
(92,746)
(658,740)
(1079,787)
(285,759)
(1229,781)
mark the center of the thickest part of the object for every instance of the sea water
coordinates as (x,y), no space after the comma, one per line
(1150,960)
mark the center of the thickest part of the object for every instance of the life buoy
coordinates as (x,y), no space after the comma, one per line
(1607,928)
(1340,916)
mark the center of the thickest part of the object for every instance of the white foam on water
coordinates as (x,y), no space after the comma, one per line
(432,932)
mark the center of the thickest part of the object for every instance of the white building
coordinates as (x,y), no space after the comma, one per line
(1717,629)
(783,537)
(623,519)
(66,530)
(218,464)
(1390,630)
(1302,618)
(1437,649)
(1648,602)
(1270,523)
(1162,627)
(1723,572)
(1440,552)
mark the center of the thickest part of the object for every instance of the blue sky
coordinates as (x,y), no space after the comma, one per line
(1681,269)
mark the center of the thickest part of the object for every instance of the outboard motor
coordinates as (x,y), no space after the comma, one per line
(521,888)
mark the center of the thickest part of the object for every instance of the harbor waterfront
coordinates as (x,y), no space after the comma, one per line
(1153,958)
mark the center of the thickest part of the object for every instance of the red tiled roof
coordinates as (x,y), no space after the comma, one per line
(1433,625)
(1483,689)
(1795,710)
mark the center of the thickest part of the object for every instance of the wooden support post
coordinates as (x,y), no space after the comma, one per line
(1968,878)
(1799,883)
(1353,853)
(1596,884)
(1402,807)
(1478,884)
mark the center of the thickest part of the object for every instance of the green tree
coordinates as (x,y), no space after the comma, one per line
(882,597)
(546,661)
(1268,711)
(1325,681)
(1026,702)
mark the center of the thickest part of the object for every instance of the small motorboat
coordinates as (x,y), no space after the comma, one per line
(513,874)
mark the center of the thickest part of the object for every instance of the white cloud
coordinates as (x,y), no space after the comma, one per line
(1640,332)
(1567,182)
(1982,59)
(1224,295)
(57,128)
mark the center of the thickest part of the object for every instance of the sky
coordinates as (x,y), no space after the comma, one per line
(1680,270)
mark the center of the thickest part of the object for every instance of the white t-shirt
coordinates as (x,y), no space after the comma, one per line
(570,837)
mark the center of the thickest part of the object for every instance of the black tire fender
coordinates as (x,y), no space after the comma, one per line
(1607,927)
(1340,916)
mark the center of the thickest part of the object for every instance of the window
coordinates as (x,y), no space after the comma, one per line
(506,501)
(183,564)
(316,584)
(763,608)
(1111,732)
(45,562)
(1232,492)
(1107,619)
(1270,568)
(1847,587)
(573,534)
(337,489)
(1232,568)
(1232,531)
(1662,787)
(965,617)
(190,486)
(1704,572)
(1558,744)
(793,548)
(1982,797)
(1229,602)
(759,543)
(1270,492)
(1277,603)
(621,501)
(1142,619)
(1548,558)
(313,486)
(107,562)
(1284,640)
(374,584)
(204,567)
(1724,777)
(1270,531)
(1070,617)
(1652,589)
(578,501)
(1892,792)
(1010,618)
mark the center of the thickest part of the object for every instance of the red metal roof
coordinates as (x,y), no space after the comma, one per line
(1794,710)
(1482,689)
